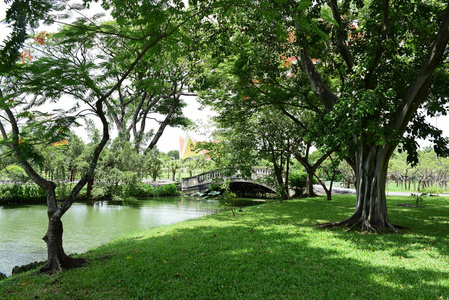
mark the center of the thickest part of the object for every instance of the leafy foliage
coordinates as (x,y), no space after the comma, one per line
(21,193)
(298,182)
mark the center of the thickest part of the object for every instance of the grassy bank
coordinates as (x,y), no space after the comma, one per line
(271,251)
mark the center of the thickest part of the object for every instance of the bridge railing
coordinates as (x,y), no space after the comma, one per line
(207,177)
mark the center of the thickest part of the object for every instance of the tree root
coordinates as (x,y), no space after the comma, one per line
(56,265)
(365,226)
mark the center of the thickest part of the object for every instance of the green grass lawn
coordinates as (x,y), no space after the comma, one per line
(271,251)
(393,187)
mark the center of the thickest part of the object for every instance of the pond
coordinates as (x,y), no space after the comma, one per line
(87,225)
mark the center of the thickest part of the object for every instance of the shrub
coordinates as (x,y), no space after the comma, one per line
(22,193)
(168,190)
(141,190)
(297,182)
(432,190)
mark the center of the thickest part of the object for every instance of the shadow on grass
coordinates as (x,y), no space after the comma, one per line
(269,251)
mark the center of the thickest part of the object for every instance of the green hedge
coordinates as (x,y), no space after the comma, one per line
(141,190)
(144,190)
(32,193)
(21,193)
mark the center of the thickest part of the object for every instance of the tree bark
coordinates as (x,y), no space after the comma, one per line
(90,186)
(311,169)
(164,124)
(57,259)
(371,204)
(309,183)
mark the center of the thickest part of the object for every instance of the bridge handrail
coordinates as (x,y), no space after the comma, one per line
(258,172)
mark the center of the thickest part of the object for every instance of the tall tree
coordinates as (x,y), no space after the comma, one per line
(374,67)
(152,95)
(238,89)
(74,70)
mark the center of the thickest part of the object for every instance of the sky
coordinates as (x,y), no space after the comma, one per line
(170,138)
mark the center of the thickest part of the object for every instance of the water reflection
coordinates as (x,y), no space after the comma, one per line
(88,225)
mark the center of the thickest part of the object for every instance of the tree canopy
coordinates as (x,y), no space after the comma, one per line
(369,70)
(356,78)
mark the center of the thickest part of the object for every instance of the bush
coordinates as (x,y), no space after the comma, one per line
(22,193)
(132,191)
(432,190)
(297,182)
(15,173)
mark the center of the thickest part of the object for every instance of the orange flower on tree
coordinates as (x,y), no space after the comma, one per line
(61,143)
(287,61)
(291,36)
(41,38)
(26,56)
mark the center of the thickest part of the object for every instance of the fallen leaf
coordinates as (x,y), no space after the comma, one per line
(128,257)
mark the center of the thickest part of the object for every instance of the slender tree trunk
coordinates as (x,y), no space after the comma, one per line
(164,124)
(90,186)
(311,169)
(328,191)
(371,204)
(57,259)
(309,183)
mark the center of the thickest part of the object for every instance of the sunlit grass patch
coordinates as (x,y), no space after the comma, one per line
(267,251)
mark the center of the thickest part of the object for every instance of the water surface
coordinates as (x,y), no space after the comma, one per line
(87,226)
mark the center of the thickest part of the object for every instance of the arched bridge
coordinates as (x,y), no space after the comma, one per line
(241,186)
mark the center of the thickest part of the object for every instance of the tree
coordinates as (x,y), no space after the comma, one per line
(173,166)
(245,142)
(22,16)
(371,65)
(400,170)
(154,164)
(173,153)
(22,148)
(120,168)
(253,75)
(74,71)
(383,104)
(152,95)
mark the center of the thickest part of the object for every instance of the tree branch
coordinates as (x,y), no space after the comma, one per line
(418,90)
(342,47)
(319,88)
(380,49)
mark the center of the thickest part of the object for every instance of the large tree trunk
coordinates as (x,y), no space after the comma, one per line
(57,259)
(371,204)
